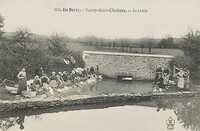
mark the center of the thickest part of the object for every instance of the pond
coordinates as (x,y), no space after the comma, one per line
(148,115)
(113,86)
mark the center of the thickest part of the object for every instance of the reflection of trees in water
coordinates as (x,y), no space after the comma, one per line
(6,123)
(189,115)
(186,110)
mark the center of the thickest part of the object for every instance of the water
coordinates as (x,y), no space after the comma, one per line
(112,86)
(147,115)
(128,118)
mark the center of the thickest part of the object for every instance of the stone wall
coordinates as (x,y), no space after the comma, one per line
(140,66)
(39,103)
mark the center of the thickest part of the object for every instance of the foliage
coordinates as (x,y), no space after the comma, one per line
(23,49)
(13,59)
(147,43)
(24,37)
(1,26)
(191,48)
(57,44)
(167,42)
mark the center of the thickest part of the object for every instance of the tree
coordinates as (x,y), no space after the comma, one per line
(109,44)
(142,47)
(57,44)
(24,37)
(114,44)
(1,26)
(17,52)
(167,42)
(147,43)
(150,44)
(191,48)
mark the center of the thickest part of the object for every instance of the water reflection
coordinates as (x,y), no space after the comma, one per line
(160,104)
(113,116)
(185,111)
(188,113)
(6,123)
(20,121)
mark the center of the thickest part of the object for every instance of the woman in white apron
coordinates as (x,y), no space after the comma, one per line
(180,76)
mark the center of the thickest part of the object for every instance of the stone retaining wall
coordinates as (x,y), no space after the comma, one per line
(140,66)
(25,104)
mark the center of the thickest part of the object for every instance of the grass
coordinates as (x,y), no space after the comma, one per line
(81,48)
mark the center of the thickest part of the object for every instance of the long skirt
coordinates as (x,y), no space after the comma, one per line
(165,79)
(22,86)
(180,82)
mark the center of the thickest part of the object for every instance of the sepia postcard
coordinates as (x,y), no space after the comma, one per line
(100,65)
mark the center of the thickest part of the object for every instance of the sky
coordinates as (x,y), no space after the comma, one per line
(163,17)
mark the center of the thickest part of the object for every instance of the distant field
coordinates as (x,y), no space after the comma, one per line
(81,48)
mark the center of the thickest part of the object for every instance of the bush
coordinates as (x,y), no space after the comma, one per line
(14,56)
(191,48)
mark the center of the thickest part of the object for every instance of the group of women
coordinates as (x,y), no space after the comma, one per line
(55,81)
(180,78)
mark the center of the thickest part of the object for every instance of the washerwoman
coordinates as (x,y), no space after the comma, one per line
(53,80)
(22,84)
(180,76)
